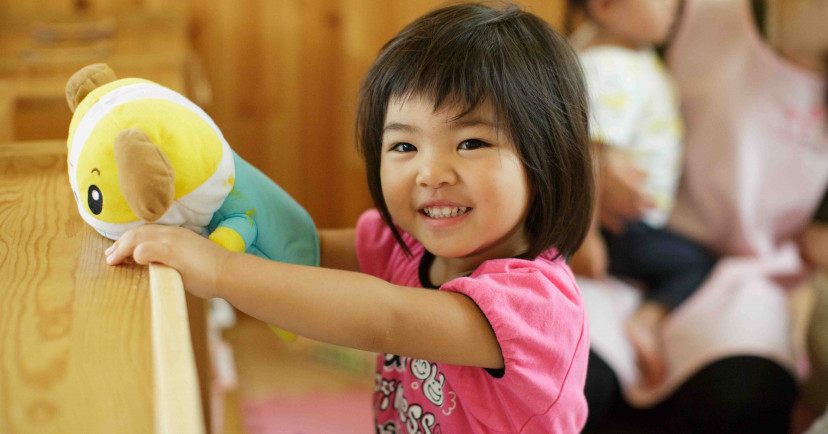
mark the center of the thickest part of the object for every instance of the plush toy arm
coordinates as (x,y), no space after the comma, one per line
(229,239)
(236,234)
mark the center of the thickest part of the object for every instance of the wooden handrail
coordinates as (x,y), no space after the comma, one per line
(177,397)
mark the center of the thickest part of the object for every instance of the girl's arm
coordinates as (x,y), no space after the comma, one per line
(334,306)
(337,249)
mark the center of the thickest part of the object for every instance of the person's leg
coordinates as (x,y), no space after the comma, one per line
(816,388)
(609,414)
(602,390)
(644,331)
(742,394)
(671,268)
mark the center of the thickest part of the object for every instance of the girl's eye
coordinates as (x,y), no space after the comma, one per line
(403,147)
(473,144)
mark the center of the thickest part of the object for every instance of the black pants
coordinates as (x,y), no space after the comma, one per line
(743,394)
(669,265)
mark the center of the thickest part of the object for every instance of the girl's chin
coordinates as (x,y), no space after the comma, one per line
(453,249)
(446,249)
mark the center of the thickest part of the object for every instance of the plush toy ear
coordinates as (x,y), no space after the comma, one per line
(145,174)
(86,80)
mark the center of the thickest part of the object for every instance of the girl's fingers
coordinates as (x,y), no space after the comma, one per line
(152,251)
(118,252)
(125,246)
(115,258)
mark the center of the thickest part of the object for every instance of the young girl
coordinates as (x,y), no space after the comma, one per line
(473,126)
(634,112)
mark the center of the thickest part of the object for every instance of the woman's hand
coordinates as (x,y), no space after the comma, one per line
(199,260)
(590,260)
(622,196)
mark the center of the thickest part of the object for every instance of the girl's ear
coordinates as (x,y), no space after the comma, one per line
(86,80)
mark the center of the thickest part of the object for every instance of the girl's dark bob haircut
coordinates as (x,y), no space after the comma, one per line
(473,53)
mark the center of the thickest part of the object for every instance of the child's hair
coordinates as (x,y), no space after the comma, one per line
(468,54)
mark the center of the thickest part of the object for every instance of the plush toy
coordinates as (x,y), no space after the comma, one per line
(139,152)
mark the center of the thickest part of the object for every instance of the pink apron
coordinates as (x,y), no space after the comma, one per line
(756,167)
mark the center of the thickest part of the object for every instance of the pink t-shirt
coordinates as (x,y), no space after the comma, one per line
(536,312)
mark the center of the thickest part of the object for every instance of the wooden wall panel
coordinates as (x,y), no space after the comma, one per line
(285,76)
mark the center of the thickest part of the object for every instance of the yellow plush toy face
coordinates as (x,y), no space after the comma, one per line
(97,173)
(98,191)
(185,136)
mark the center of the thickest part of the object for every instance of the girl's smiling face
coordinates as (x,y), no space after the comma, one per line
(457,185)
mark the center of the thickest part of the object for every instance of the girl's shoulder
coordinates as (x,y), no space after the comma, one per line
(378,251)
(548,263)
(546,277)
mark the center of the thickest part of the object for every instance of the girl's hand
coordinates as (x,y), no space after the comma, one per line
(199,260)
(622,196)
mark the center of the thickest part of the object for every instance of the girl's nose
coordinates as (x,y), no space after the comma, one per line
(435,173)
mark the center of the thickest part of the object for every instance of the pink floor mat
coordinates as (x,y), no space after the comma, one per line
(318,412)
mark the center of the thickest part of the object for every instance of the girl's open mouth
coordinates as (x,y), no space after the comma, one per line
(445,212)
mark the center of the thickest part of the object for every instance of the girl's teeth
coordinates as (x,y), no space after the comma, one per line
(445,212)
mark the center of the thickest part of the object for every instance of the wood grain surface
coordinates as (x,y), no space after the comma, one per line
(75,345)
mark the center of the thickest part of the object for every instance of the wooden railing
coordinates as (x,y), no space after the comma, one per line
(177,395)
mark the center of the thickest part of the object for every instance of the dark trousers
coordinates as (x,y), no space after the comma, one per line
(669,265)
(741,394)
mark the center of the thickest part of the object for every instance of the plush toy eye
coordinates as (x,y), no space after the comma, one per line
(95,199)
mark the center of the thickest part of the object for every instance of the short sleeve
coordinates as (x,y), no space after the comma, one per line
(614,96)
(539,319)
(381,256)
(374,243)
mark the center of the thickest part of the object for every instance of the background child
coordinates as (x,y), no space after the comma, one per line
(473,126)
(634,111)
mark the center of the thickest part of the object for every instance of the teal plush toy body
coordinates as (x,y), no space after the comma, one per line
(269,222)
